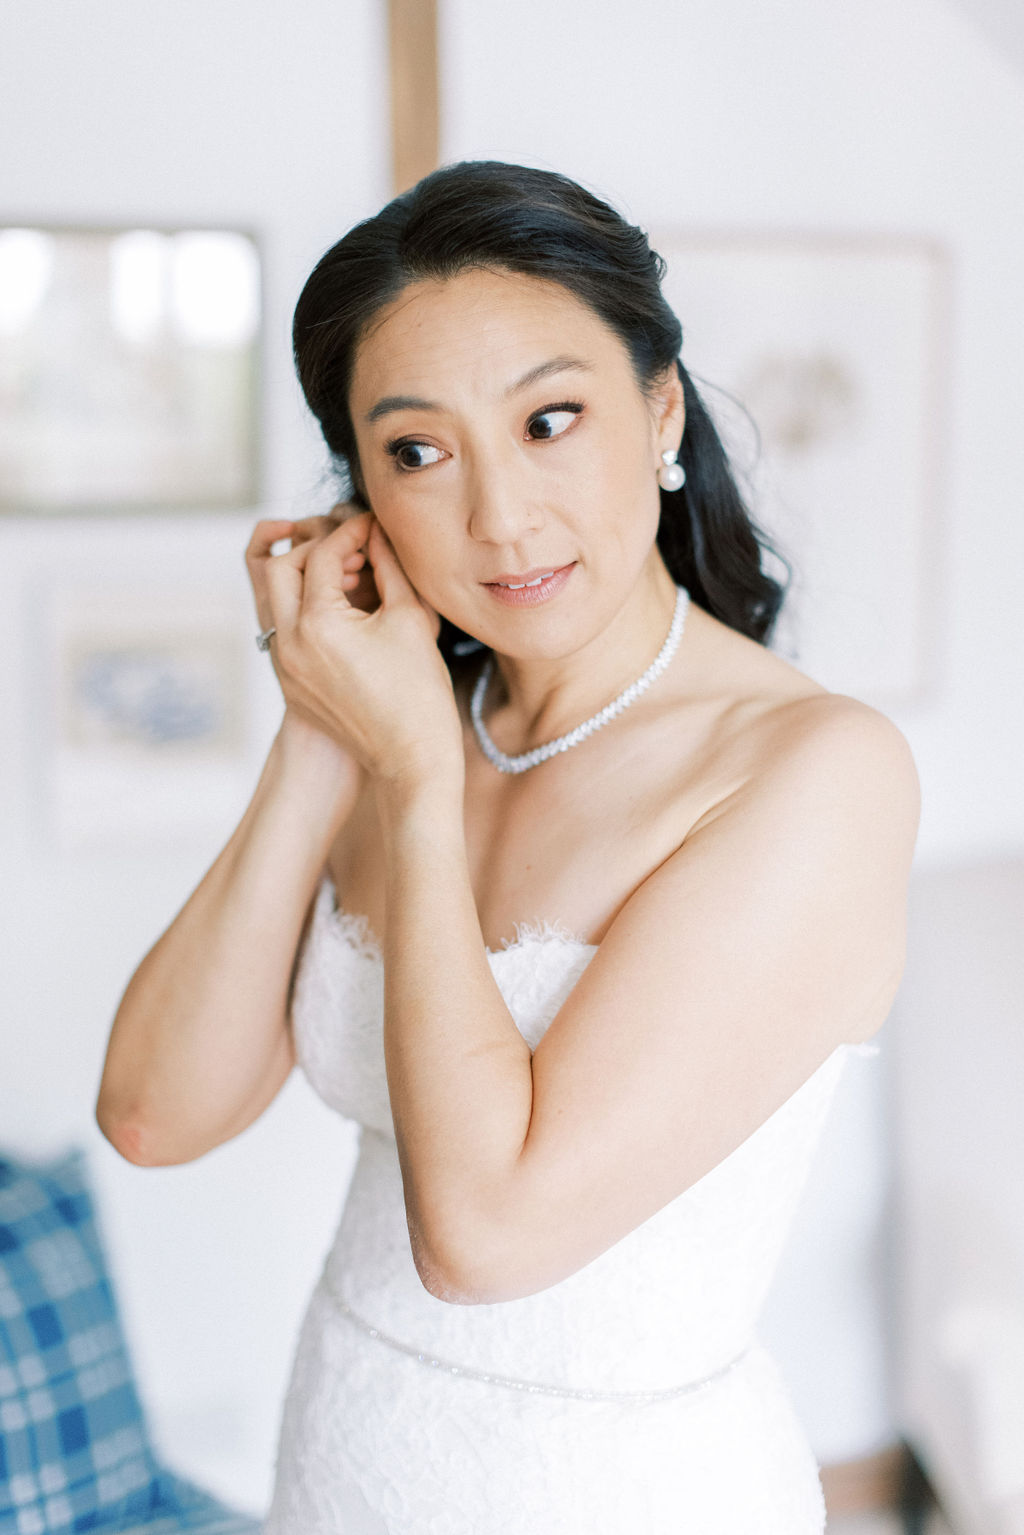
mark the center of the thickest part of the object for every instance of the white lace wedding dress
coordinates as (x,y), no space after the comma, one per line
(632,1398)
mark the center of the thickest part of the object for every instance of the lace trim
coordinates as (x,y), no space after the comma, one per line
(541,931)
(356,928)
(531,1387)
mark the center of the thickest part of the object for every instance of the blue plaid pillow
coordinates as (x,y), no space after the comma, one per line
(74,1452)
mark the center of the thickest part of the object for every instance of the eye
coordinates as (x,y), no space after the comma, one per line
(560,417)
(409,446)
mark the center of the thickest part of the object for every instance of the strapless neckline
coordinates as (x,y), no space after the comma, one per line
(357,926)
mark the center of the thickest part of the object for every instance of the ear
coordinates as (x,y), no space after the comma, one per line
(668,412)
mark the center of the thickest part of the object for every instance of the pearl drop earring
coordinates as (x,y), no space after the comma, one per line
(671,476)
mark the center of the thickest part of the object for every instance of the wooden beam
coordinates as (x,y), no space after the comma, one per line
(415,90)
(869,1485)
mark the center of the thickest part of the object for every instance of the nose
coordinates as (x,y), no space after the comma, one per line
(500,504)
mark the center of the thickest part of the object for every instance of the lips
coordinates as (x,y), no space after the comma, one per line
(508,578)
(531,594)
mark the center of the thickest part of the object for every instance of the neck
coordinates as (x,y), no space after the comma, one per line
(532,701)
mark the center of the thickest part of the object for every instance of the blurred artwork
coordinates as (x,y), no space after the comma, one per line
(148,729)
(822,360)
(151,695)
(128,369)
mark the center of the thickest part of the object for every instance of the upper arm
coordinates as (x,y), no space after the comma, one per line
(278,1070)
(773,934)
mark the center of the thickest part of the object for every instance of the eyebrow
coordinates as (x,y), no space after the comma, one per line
(392,402)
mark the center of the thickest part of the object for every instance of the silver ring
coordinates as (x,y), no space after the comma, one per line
(263,639)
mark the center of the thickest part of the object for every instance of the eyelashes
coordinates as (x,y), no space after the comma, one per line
(398,445)
(573,407)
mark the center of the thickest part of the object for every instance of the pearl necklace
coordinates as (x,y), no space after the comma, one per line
(525,760)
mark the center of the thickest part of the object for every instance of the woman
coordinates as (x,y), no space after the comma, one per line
(588,1003)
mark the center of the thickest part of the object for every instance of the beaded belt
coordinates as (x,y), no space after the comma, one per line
(533,1386)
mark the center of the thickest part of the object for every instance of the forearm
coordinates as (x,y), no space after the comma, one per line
(459,1071)
(202,1020)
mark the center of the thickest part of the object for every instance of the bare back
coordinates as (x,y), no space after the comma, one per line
(572,841)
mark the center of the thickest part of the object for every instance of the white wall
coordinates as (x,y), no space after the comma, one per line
(1003,21)
(887,115)
(882,116)
(219,111)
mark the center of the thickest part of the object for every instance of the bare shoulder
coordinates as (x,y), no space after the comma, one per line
(844,741)
(840,733)
(786,732)
(832,771)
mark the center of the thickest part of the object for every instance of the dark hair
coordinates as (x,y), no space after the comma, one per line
(484,213)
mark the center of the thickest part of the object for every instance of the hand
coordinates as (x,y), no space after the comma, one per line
(357,577)
(371,677)
(299,735)
(357,582)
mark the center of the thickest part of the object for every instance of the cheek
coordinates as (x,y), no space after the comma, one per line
(630,508)
(617,483)
(424,547)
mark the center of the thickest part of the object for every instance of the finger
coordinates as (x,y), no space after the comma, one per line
(350,563)
(361,591)
(283,584)
(300,553)
(344,511)
(347,541)
(357,525)
(312,527)
(343,551)
(257,557)
(267,532)
(306,529)
(393,584)
(349,536)
(351,574)
(327,571)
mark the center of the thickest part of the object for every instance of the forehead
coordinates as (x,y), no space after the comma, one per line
(475,332)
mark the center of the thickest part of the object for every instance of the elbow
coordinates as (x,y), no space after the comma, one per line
(457,1285)
(128,1138)
(440,1273)
(447,1287)
(134,1139)
(478,1270)
(481,1245)
(118,1115)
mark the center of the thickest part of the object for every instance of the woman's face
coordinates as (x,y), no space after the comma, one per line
(501,433)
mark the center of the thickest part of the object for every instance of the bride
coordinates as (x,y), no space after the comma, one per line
(556,879)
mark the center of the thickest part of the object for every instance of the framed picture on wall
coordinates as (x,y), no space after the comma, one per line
(146,731)
(129,369)
(822,360)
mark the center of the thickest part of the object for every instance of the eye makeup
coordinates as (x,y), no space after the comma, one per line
(575,406)
(396,444)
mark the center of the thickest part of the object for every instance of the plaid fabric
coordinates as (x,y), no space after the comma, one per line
(74,1452)
(180,1506)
